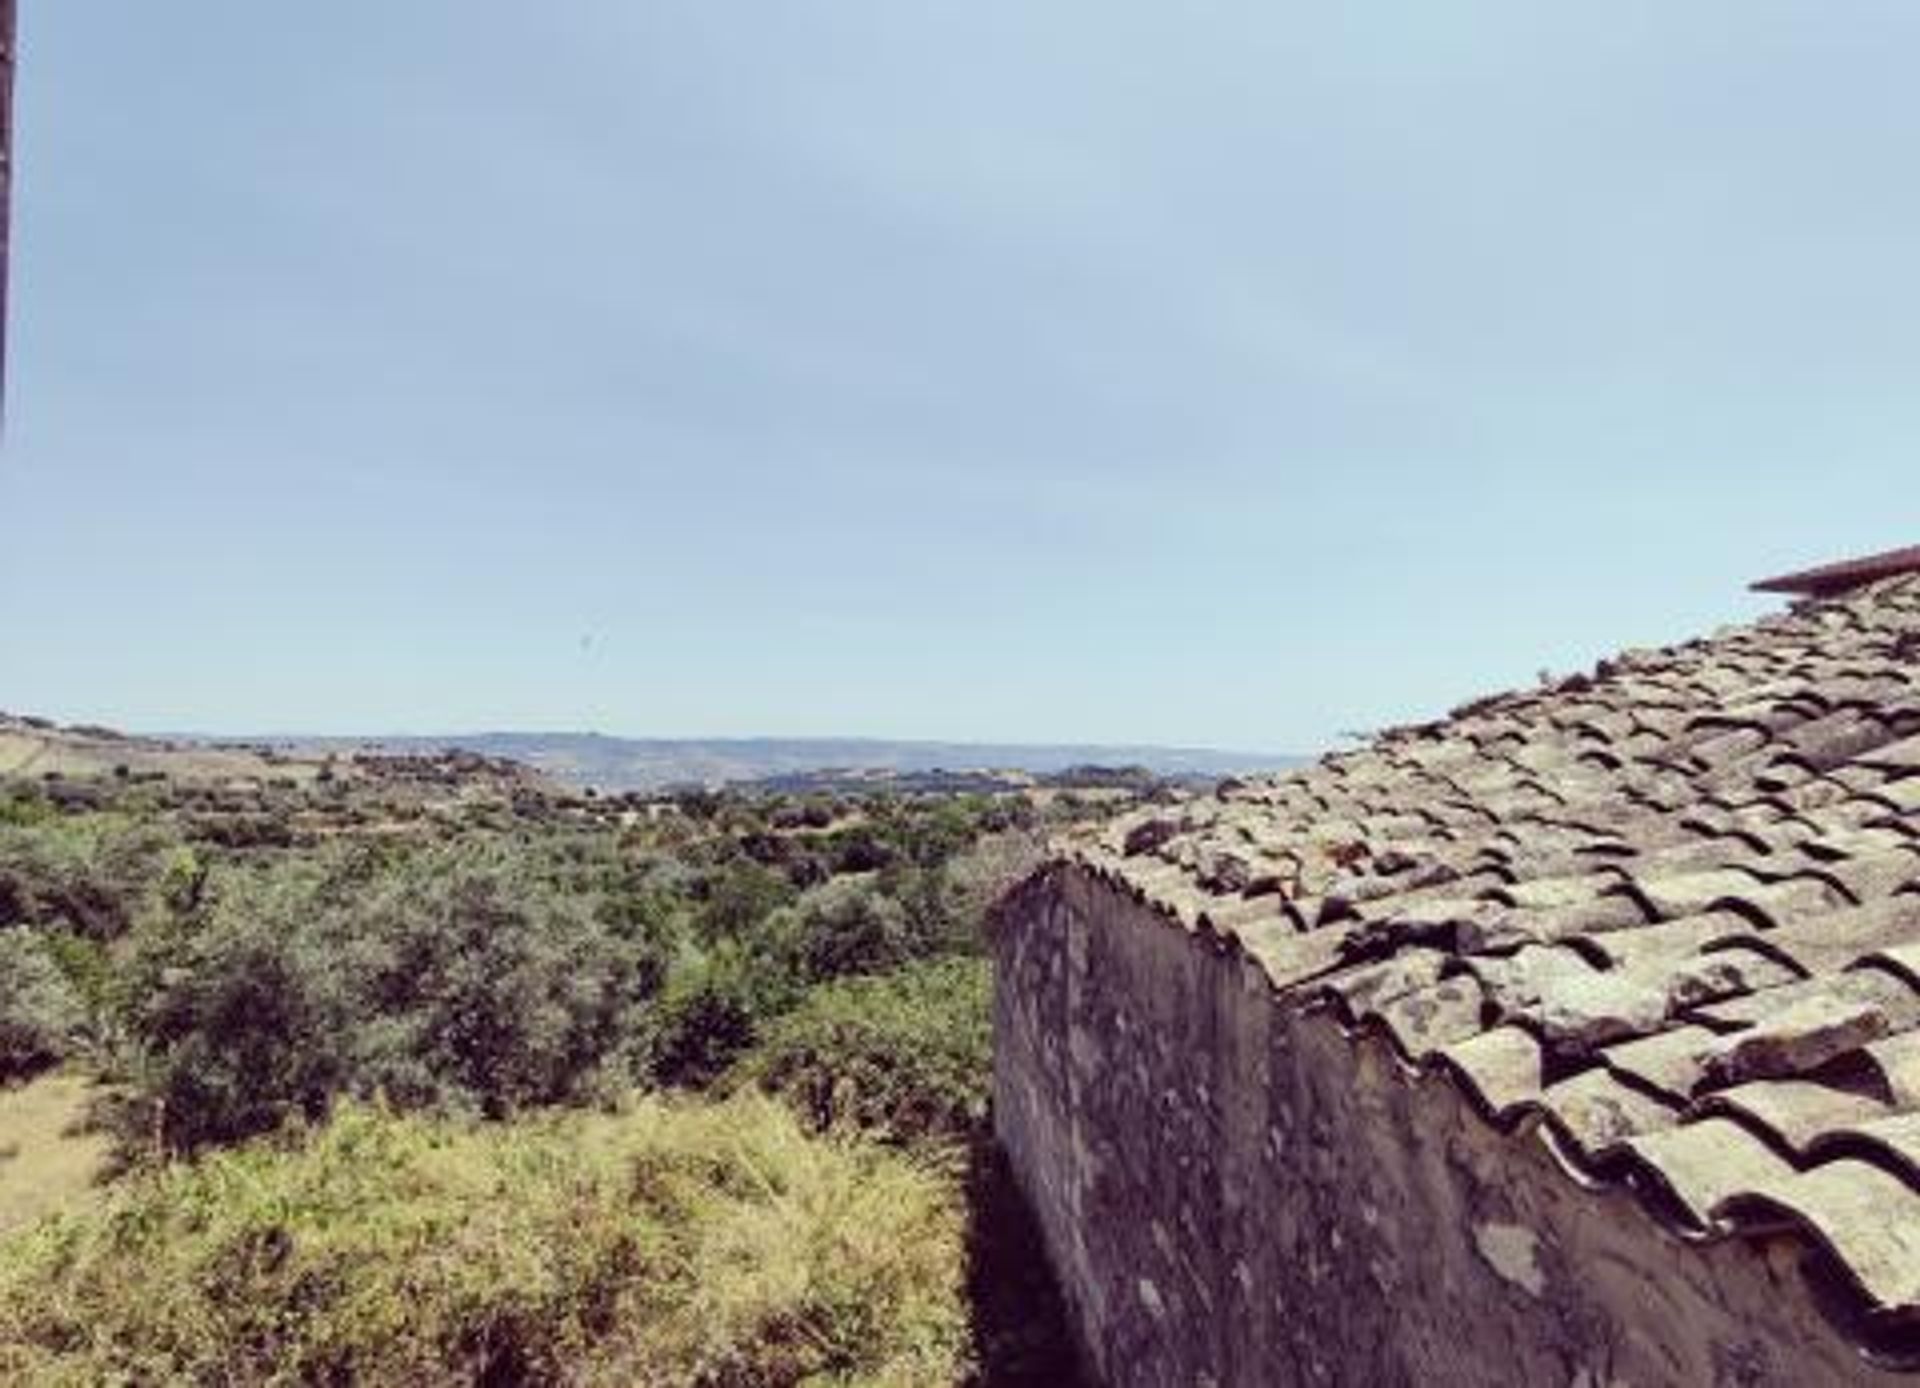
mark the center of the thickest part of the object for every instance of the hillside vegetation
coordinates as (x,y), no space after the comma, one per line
(673,1244)
(427,1072)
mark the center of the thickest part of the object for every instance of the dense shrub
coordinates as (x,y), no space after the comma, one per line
(246,1023)
(907,1055)
(40,1013)
(89,968)
(22,803)
(454,977)
(930,834)
(858,848)
(666,1246)
(497,988)
(93,874)
(711,1013)
(857,931)
(737,899)
(240,830)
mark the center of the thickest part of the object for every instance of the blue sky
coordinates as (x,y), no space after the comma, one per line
(1228,374)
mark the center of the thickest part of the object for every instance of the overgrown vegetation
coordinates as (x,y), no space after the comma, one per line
(454,978)
(333,1017)
(672,1245)
(40,1014)
(906,1055)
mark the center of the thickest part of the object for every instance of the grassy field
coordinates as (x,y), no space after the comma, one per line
(671,1243)
(46,1161)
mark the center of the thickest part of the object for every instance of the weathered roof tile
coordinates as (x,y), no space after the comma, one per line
(1792,1113)
(1429,1019)
(1500,1068)
(1866,1217)
(1596,1113)
(1700,1165)
(1673,908)
(1671,1063)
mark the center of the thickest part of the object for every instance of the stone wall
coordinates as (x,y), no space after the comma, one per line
(1234,1191)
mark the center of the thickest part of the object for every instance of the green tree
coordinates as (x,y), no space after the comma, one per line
(738,898)
(851,932)
(709,1015)
(40,1014)
(454,977)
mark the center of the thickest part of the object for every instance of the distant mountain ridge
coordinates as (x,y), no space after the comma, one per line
(627,764)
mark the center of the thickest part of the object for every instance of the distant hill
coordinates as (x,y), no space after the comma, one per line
(627,764)
(40,749)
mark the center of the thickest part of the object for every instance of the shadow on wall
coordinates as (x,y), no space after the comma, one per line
(1020,1330)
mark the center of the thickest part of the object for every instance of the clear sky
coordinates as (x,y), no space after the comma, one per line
(1227,374)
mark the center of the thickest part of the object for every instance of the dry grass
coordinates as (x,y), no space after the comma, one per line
(47,1159)
(33,752)
(672,1244)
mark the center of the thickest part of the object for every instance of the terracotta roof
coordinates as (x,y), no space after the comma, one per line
(1666,915)
(1830,580)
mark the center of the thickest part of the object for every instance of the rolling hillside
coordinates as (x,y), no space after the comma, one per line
(622,764)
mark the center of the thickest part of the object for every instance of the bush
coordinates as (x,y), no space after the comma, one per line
(670,1245)
(40,1014)
(24,804)
(737,900)
(858,848)
(454,978)
(499,988)
(931,834)
(92,874)
(860,931)
(88,968)
(906,1055)
(711,1014)
(247,1023)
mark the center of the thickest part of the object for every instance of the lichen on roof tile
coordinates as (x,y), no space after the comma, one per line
(1793,1113)
(1868,1218)
(1698,1166)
